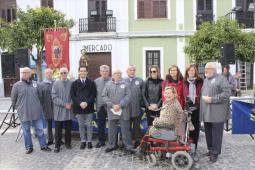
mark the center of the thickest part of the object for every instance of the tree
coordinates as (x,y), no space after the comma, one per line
(28,30)
(205,44)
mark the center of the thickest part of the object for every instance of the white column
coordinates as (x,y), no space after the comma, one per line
(180,40)
(215,9)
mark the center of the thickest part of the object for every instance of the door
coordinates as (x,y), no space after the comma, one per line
(95,60)
(97,22)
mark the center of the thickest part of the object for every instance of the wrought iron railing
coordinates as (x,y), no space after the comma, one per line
(99,24)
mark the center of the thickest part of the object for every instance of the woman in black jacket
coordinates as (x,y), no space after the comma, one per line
(152,94)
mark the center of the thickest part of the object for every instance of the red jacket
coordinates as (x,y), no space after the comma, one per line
(199,84)
(179,88)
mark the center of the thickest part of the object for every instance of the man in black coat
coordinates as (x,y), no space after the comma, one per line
(83,94)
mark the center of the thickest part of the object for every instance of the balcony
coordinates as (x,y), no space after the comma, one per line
(97,24)
(244,18)
(204,17)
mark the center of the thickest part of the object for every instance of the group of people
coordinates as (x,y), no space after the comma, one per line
(119,101)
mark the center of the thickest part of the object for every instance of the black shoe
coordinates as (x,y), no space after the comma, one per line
(62,143)
(68,146)
(83,145)
(206,154)
(46,148)
(109,150)
(129,151)
(99,145)
(30,150)
(90,145)
(56,150)
(213,158)
(50,143)
(136,144)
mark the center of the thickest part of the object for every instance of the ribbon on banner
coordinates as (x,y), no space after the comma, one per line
(56,42)
(242,118)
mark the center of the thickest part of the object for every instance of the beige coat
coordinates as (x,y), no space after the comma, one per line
(171,114)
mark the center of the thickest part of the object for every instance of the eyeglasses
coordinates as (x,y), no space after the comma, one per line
(153,71)
(63,73)
(173,70)
(208,68)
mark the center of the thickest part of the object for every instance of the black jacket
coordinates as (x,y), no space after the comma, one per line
(152,92)
(83,92)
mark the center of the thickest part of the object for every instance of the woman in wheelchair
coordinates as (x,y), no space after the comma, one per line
(171,116)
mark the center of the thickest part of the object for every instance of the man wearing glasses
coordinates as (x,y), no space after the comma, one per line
(26,99)
(117,95)
(62,109)
(214,109)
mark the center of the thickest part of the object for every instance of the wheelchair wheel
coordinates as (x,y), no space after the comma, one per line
(181,160)
(152,160)
(158,154)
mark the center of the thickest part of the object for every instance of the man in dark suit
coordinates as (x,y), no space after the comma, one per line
(83,94)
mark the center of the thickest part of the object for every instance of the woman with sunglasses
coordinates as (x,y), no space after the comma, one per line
(174,78)
(152,94)
(192,87)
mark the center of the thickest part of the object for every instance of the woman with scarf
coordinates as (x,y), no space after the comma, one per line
(192,89)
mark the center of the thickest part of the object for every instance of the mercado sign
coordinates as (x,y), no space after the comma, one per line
(97,48)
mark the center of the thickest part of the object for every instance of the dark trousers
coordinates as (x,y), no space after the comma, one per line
(213,135)
(49,130)
(136,128)
(151,115)
(58,132)
(195,121)
(101,121)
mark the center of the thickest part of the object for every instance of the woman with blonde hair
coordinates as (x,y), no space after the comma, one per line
(152,94)
(171,114)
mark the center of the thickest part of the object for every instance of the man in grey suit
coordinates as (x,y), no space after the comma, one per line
(62,109)
(100,104)
(136,85)
(214,109)
(117,95)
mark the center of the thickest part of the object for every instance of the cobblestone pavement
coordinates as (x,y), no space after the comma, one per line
(238,153)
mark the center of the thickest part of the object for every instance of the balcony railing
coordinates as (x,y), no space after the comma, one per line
(106,24)
(203,17)
(245,18)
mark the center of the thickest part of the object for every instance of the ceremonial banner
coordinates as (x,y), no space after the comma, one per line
(242,122)
(56,42)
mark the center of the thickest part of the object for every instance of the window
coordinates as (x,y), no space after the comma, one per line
(204,11)
(152,58)
(151,9)
(47,3)
(204,5)
(8,14)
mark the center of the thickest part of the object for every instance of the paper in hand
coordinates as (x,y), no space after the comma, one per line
(116,113)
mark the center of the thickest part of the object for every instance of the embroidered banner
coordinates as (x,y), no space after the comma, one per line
(56,42)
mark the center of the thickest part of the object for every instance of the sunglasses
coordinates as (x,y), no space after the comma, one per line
(153,71)
(63,73)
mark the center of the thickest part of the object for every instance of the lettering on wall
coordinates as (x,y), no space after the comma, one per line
(94,48)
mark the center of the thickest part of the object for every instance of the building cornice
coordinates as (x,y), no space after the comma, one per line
(130,35)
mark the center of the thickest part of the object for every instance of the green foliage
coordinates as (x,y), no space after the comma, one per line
(204,45)
(28,29)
